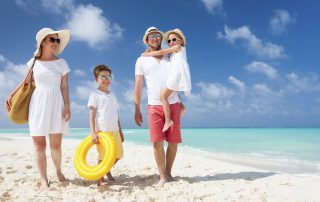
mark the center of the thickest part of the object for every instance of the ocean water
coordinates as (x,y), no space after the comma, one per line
(300,146)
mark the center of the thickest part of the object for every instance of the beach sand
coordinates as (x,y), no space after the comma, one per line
(197,178)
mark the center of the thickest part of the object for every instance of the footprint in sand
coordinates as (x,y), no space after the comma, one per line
(9,168)
(0,170)
(6,195)
(1,179)
(28,167)
(9,172)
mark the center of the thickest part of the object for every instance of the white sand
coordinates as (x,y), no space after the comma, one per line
(198,178)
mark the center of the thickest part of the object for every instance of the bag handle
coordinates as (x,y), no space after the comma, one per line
(30,71)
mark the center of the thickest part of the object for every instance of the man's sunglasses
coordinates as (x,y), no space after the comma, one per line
(173,39)
(151,36)
(52,40)
(105,77)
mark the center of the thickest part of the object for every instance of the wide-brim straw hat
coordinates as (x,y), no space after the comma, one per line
(178,32)
(64,36)
(152,30)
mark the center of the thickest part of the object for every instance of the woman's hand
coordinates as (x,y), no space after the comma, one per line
(66,114)
(8,103)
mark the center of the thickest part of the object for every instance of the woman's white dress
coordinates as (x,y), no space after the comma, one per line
(46,105)
(179,78)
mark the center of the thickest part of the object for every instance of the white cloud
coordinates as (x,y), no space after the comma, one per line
(215,90)
(84,90)
(79,72)
(88,24)
(252,43)
(241,85)
(279,21)
(261,67)
(303,83)
(212,6)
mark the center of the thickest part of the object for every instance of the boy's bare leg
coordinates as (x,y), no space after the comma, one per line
(166,108)
(101,181)
(109,176)
(39,143)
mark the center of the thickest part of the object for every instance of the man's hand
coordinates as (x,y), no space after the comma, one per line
(138,117)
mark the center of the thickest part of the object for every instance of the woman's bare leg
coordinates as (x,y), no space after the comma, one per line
(166,108)
(39,143)
(55,146)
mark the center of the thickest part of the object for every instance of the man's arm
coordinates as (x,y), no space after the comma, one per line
(137,97)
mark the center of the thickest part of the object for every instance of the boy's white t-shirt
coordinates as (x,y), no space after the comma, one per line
(155,74)
(106,110)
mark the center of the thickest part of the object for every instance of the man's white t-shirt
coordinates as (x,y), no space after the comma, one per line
(107,110)
(155,73)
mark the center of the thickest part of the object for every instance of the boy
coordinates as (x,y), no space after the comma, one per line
(104,107)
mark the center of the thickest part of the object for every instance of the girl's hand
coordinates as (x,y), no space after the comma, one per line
(8,103)
(95,138)
(66,114)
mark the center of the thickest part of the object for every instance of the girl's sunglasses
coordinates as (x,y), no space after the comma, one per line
(52,40)
(173,39)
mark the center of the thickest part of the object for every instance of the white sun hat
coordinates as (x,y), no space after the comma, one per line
(178,32)
(152,30)
(64,36)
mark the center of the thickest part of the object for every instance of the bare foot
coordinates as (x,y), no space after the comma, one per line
(167,125)
(170,178)
(43,185)
(101,182)
(110,178)
(161,182)
(60,176)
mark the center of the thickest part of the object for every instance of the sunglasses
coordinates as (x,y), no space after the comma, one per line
(173,39)
(151,36)
(105,77)
(52,40)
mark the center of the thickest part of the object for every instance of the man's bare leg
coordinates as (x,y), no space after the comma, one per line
(159,156)
(170,156)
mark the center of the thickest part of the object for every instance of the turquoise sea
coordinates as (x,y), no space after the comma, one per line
(286,145)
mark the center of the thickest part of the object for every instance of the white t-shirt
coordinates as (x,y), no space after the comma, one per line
(107,110)
(155,74)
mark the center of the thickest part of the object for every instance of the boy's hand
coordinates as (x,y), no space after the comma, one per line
(121,135)
(95,138)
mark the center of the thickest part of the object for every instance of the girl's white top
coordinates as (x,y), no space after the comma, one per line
(47,105)
(179,78)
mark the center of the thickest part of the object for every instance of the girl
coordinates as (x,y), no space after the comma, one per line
(179,75)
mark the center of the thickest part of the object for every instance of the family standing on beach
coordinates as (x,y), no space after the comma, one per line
(165,72)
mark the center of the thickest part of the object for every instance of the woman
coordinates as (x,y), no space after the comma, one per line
(49,110)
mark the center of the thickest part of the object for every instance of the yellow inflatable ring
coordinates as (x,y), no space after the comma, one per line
(95,172)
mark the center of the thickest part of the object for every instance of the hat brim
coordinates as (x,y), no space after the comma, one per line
(155,31)
(178,33)
(64,36)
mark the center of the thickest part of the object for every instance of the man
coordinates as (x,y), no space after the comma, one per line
(154,70)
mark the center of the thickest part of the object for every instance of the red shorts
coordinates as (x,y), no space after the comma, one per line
(156,122)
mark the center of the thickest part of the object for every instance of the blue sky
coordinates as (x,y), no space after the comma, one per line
(253,63)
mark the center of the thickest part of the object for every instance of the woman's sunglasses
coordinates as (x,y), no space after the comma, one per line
(52,40)
(173,39)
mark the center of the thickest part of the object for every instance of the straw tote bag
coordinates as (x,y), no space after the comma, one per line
(21,99)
